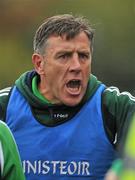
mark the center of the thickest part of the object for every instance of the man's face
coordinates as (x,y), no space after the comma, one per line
(66,68)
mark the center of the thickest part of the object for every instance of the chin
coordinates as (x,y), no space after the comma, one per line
(72,102)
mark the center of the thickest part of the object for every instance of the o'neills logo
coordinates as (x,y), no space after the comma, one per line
(60,115)
(81,168)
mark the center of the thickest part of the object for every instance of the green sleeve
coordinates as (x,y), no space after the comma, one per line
(117,108)
(11,168)
(117,167)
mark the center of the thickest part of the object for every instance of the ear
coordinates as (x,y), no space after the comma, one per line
(38,63)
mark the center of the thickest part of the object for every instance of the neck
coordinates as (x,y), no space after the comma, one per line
(46,93)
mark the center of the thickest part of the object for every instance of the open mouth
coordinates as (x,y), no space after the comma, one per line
(74,86)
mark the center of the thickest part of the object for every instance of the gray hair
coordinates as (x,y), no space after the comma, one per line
(60,25)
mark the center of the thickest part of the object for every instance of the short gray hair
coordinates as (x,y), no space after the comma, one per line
(60,25)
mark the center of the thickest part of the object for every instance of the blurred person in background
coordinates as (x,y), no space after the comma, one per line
(10,163)
(124,168)
(66,122)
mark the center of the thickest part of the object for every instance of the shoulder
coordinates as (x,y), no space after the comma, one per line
(4,131)
(4,96)
(4,93)
(114,91)
(113,96)
(9,155)
(116,108)
(116,101)
(6,142)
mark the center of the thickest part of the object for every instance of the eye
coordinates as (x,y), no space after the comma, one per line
(65,55)
(84,56)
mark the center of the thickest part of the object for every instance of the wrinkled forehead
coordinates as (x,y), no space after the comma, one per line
(79,42)
(69,36)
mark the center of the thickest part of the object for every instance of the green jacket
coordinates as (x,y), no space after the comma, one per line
(10,163)
(115,106)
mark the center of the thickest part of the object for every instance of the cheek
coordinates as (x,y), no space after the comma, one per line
(55,75)
(86,74)
(87,70)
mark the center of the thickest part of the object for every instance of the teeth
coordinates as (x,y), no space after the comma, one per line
(73,84)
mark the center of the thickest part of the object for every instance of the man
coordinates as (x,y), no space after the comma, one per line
(64,120)
(124,168)
(10,164)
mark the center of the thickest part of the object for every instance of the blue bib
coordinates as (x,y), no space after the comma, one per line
(77,149)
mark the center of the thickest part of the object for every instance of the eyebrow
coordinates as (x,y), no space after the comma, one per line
(70,51)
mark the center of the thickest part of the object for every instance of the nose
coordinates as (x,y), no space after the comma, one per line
(75,63)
